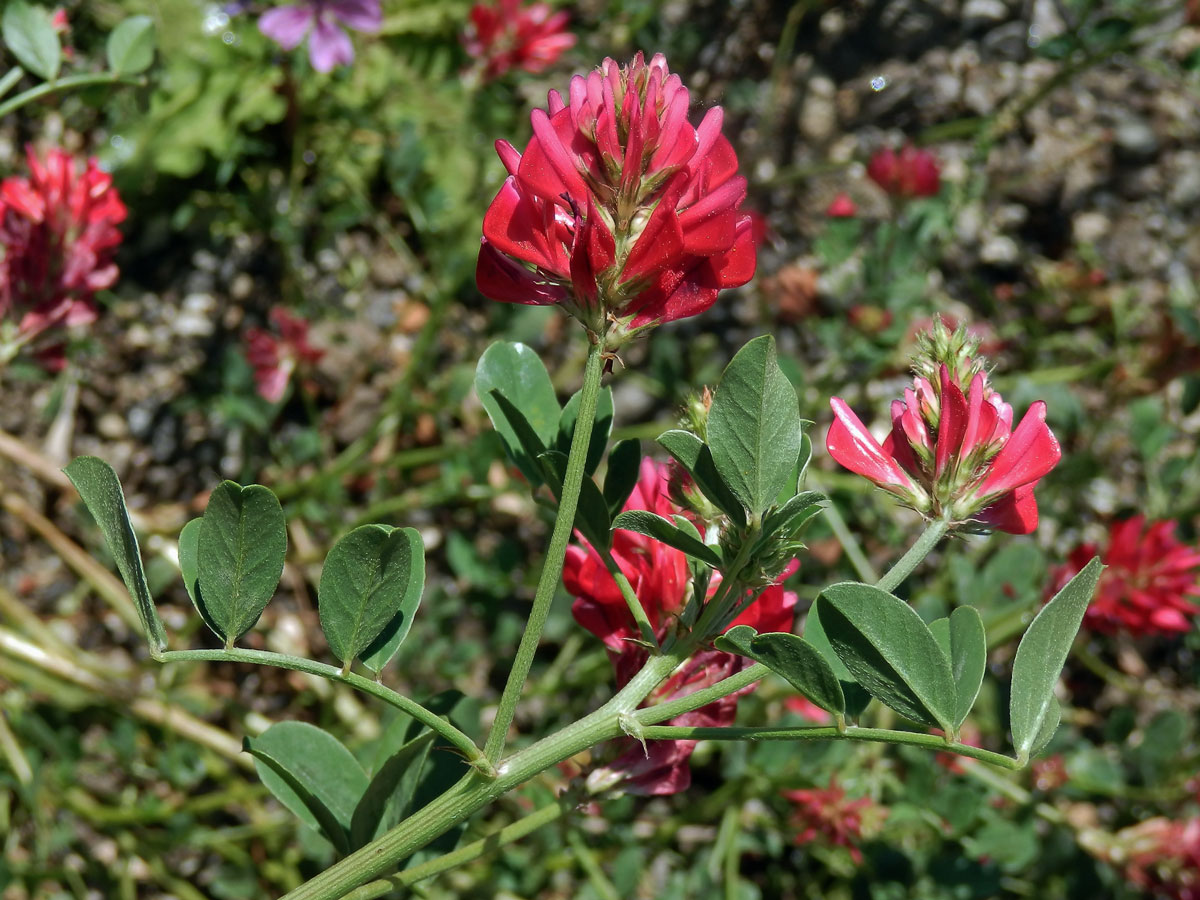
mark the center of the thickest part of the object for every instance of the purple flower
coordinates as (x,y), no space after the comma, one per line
(329,45)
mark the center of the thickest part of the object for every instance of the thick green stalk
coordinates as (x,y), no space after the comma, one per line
(474,792)
(904,566)
(472,851)
(827,733)
(457,739)
(552,568)
(63,84)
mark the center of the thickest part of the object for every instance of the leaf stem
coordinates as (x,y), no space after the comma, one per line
(631,598)
(904,567)
(63,84)
(11,77)
(457,739)
(827,732)
(552,569)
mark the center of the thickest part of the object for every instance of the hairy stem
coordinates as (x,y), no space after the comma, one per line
(63,84)
(552,569)
(904,567)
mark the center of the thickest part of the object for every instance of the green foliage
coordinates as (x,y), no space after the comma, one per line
(29,36)
(655,526)
(694,455)
(240,552)
(890,651)
(1040,658)
(515,389)
(962,639)
(100,490)
(624,468)
(793,658)
(754,426)
(370,589)
(601,428)
(130,47)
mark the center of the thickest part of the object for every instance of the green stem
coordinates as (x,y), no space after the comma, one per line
(473,793)
(11,77)
(591,868)
(552,569)
(457,739)
(904,567)
(631,598)
(471,852)
(827,733)
(63,84)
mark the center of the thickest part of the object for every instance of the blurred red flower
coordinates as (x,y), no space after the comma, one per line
(58,234)
(1159,856)
(275,357)
(841,207)
(909,173)
(659,576)
(619,210)
(953,453)
(828,814)
(503,35)
(1149,582)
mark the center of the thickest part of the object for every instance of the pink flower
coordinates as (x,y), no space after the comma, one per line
(619,210)
(503,35)
(911,173)
(275,358)
(953,453)
(841,207)
(58,234)
(1149,583)
(328,45)
(826,813)
(660,578)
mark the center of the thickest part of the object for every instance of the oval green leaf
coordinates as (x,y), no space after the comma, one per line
(517,373)
(372,577)
(100,490)
(29,36)
(857,699)
(736,641)
(189,568)
(1041,655)
(968,659)
(311,773)
(130,47)
(754,426)
(890,651)
(803,666)
(655,526)
(240,554)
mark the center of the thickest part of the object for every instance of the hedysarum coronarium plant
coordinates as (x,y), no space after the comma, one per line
(619,210)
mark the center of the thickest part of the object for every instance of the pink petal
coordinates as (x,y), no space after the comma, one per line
(328,47)
(1029,454)
(1015,512)
(853,447)
(287,25)
(500,278)
(361,15)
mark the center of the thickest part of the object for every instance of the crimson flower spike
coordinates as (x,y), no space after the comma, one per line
(951,453)
(619,210)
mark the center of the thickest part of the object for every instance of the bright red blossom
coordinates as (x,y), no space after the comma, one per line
(659,576)
(58,236)
(1149,583)
(828,814)
(841,207)
(953,452)
(275,357)
(909,173)
(503,35)
(619,209)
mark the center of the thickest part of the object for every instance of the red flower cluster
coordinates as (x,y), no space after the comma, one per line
(952,452)
(909,173)
(1149,584)
(659,576)
(275,357)
(1159,856)
(58,234)
(841,207)
(827,813)
(503,35)
(619,210)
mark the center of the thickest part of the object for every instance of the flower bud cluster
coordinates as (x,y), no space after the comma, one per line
(953,452)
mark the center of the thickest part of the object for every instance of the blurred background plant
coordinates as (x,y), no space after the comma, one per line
(1030,170)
